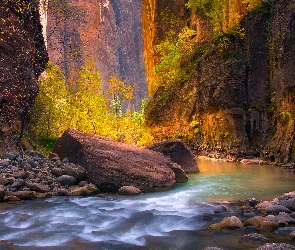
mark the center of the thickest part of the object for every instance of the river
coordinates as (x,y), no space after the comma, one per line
(175,219)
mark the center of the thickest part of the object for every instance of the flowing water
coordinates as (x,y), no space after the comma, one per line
(174,219)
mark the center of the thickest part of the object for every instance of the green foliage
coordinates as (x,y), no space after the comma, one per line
(172,51)
(84,107)
(119,92)
(286,117)
(223,14)
(224,39)
(46,144)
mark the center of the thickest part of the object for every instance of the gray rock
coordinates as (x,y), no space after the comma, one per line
(220,209)
(82,183)
(254,237)
(286,218)
(276,246)
(212,248)
(284,230)
(11,180)
(18,183)
(9,156)
(129,190)
(275,209)
(3,181)
(290,204)
(58,171)
(76,171)
(66,180)
(4,163)
(65,160)
(38,187)
(292,235)
(27,167)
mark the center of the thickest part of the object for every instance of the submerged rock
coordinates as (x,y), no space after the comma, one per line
(276,246)
(254,237)
(290,204)
(285,230)
(275,209)
(111,165)
(232,222)
(212,248)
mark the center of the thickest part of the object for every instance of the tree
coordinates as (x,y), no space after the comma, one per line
(119,92)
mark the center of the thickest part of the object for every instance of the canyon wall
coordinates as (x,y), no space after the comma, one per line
(240,96)
(107,32)
(23,58)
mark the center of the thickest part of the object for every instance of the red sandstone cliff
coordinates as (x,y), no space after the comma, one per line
(241,97)
(107,32)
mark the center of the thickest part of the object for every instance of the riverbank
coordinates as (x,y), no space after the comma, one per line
(246,157)
(35,176)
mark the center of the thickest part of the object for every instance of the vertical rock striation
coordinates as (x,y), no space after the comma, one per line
(107,32)
(154,27)
(240,96)
(23,58)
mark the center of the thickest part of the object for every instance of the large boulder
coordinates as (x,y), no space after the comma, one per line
(178,152)
(111,165)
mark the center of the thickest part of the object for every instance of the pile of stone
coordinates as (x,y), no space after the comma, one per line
(35,176)
(277,216)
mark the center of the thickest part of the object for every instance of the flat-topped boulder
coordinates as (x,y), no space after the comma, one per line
(111,164)
(179,152)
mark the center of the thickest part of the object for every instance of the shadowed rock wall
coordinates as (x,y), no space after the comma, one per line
(22,59)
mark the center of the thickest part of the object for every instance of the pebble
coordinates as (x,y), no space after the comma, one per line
(34,176)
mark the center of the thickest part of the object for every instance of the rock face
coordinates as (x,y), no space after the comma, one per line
(178,152)
(240,96)
(23,58)
(107,32)
(111,165)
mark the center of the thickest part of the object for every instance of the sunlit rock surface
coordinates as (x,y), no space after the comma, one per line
(241,96)
(107,32)
(111,165)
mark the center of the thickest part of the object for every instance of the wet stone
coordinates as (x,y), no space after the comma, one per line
(254,237)
(284,230)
